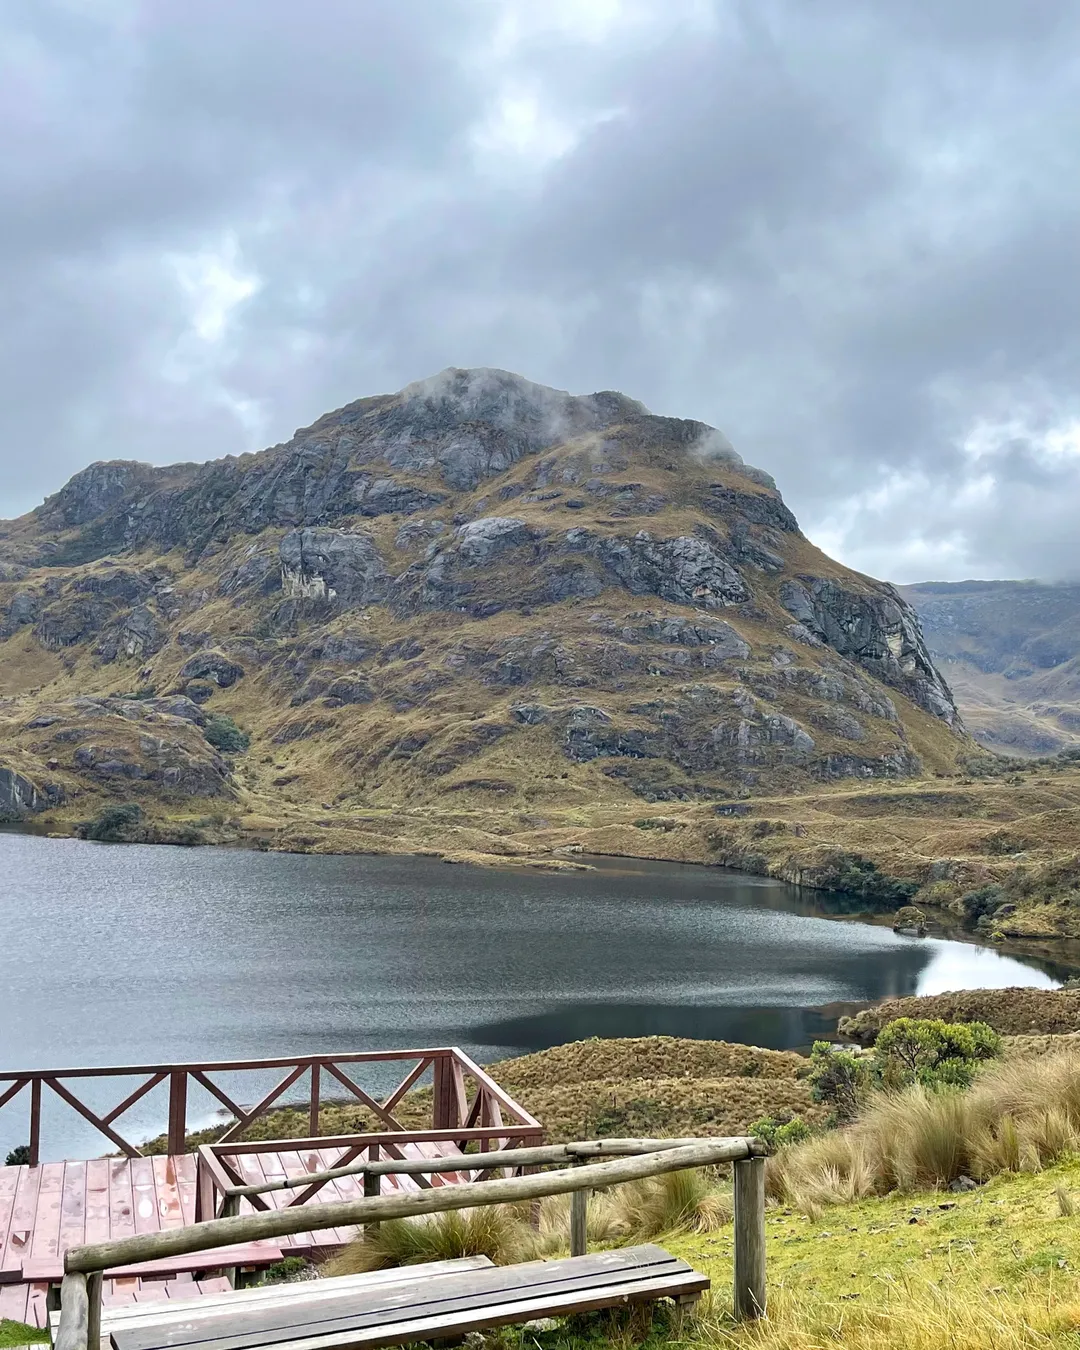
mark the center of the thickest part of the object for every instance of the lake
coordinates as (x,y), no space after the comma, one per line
(114,954)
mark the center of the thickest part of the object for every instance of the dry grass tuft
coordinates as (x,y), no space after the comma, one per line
(495,1231)
(676,1202)
(1017,1117)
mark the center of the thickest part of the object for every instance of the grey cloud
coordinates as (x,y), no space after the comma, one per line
(844,234)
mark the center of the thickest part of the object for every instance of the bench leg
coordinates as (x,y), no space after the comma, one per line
(684,1307)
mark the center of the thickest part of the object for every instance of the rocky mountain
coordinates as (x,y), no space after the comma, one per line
(478,592)
(1011,650)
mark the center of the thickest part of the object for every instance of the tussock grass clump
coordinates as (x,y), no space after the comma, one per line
(686,1202)
(1019,1116)
(677,1202)
(495,1231)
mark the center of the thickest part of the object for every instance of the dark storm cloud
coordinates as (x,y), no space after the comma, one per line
(844,233)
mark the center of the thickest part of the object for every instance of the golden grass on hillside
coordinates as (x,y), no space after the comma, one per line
(665,1106)
(645,1057)
(1012,1012)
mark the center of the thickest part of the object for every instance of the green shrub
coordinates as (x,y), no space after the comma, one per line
(932,1052)
(777,1133)
(18,1157)
(114,825)
(287,1270)
(852,874)
(981,902)
(837,1078)
(223,734)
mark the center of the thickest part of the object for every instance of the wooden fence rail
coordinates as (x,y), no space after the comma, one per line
(80,1317)
(463,1094)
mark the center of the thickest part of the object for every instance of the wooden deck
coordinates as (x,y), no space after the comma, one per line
(45,1210)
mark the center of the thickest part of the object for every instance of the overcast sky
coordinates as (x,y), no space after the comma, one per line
(843,231)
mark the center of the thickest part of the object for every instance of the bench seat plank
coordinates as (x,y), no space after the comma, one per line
(421,1309)
(294,1294)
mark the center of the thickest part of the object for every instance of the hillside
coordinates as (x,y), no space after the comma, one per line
(1011,653)
(478,597)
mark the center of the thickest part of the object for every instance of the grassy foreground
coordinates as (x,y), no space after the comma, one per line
(999,1267)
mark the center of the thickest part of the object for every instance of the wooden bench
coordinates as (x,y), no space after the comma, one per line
(396,1307)
(296,1294)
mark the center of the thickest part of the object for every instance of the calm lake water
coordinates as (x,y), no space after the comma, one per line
(124,954)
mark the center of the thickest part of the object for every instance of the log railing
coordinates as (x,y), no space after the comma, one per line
(463,1095)
(80,1309)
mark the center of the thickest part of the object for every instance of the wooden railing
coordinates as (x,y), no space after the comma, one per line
(80,1306)
(466,1101)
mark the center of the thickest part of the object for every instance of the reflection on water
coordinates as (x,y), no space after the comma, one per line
(130,954)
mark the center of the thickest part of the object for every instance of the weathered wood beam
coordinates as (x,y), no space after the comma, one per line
(222,1096)
(749,1238)
(521,1116)
(344,1214)
(405,1084)
(13,1090)
(494,1159)
(73,1331)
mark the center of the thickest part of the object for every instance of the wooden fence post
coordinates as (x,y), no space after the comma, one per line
(230,1209)
(579,1220)
(177,1134)
(749,1238)
(372,1185)
(94,1282)
(74,1315)
(35,1121)
(444,1098)
(313,1108)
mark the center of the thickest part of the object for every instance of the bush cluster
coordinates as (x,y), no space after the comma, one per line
(852,874)
(778,1133)
(223,734)
(114,825)
(925,1051)
(982,902)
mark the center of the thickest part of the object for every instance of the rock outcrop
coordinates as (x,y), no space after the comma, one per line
(880,631)
(477,581)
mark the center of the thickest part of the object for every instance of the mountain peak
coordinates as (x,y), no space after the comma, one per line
(476,580)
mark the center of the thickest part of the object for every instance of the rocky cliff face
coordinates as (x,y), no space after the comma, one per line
(476,586)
